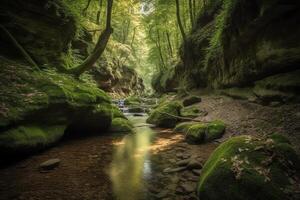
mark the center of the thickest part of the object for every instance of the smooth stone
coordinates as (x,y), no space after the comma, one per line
(50,164)
(162,194)
(188,187)
(197,172)
(173,170)
(184,162)
(194,165)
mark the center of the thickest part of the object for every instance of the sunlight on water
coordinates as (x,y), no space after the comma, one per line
(131,164)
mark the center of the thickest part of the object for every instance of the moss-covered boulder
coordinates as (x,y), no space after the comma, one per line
(191,100)
(190,111)
(132,100)
(247,168)
(136,109)
(46,99)
(121,125)
(183,127)
(117,113)
(197,133)
(165,115)
(29,138)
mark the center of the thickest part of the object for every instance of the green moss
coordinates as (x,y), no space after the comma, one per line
(120,125)
(132,100)
(248,172)
(183,127)
(29,138)
(215,130)
(196,134)
(117,113)
(165,115)
(191,111)
(278,138)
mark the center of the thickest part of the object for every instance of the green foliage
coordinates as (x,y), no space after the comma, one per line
(222,20)
(249,172)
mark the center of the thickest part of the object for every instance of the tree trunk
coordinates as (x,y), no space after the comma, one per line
(99,12)
(169,44)
(179,21)
(160,50)
(191,12)
(99,48)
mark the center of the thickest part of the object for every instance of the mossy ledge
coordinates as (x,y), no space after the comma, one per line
(38,100)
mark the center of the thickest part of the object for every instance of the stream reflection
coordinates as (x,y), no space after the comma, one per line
(131,164)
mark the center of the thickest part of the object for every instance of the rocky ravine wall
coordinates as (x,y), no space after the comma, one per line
(245,44)
(40,106)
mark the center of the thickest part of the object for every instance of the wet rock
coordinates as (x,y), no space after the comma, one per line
(197,172)
(188,187)
(191,100)
(173,170)
(162,194)
(184,162)
(172,160)
(50,164)
(275,103)
(194,164)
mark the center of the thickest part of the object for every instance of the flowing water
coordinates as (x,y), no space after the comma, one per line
(131,165)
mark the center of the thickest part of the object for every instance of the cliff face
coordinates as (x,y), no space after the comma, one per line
(44,28)
(236,43)
(38,104)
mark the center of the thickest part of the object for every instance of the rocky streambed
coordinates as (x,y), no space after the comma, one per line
(151,164)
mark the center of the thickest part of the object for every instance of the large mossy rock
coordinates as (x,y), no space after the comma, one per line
(165,115)
(247,168)
(29,138)
(198,133)
(46,99)
(183,127)
(121,125)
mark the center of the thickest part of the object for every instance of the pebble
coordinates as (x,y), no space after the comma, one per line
(162,194)
(197,172)
(173,170)
(50,164)
(188,187)
(184,162)
(193,164)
